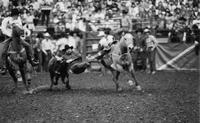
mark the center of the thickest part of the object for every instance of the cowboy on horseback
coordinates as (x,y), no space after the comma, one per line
(7,29)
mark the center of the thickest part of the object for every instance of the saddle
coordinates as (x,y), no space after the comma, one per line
(16,58)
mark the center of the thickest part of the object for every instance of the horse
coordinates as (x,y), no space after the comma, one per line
(16,59)
(120,59)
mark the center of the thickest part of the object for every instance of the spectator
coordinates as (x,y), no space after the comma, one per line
(45,9)
(196,36)
(151,44)
(139,53)
(47,49)
(126,22)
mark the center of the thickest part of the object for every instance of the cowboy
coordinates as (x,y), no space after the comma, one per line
(126,22)
(6,28)
(139,53)
(106,40)
(104,46)
(196,37)
(151,44)
(178,33)
(47,49)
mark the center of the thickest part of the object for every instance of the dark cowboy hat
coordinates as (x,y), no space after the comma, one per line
(68,47)
(182,19)
(139,30)
(14,12)
(195,27)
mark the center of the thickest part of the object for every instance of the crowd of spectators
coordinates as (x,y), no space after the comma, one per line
(76,16)
(71,14)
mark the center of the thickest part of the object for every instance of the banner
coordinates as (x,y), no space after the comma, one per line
(176,56)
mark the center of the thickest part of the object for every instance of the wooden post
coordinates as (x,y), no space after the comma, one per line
(84,45)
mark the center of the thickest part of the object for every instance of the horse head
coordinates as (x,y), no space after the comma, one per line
(127,40)
(17,30)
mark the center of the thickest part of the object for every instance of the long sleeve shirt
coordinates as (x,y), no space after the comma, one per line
(151,42)
(6,26)
(46,45)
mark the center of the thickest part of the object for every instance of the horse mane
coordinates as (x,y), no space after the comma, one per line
(123,47)
(124,50)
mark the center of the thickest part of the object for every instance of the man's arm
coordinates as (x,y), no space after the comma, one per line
(155,42)
(5,28)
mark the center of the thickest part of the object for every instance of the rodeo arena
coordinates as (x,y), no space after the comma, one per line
(99,61)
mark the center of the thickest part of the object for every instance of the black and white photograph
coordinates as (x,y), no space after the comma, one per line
(99,61)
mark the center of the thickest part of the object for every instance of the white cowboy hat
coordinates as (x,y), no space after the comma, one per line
(146,30)
(46,34)
(101,33)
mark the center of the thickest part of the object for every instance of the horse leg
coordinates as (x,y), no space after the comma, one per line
(52,80)
(28,70)
(115,79)
(13,75)
(22,71)
(138,87)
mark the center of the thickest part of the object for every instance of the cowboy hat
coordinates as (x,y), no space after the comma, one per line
(68,47)
(146,30)
(46,34)
(139,30)
(101,33)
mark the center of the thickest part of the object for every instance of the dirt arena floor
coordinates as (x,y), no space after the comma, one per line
(167,97)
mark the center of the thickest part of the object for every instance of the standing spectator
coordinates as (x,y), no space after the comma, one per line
(196,37)
(151,44)
(78,41)
(47,48)
(29,21)
(37,50)
(46,9)
(126,22)
(139,54)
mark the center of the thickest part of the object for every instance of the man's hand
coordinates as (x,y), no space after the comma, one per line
(196,42)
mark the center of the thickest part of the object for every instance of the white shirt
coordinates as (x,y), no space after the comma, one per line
(61,5)
(105,41)
(6,26)
(151,41)
(71,42)
(60,44)
(46,45)
(36,5)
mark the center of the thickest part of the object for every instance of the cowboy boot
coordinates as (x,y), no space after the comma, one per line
(32,61)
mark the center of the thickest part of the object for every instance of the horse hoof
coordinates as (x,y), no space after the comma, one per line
(119,89)
(27,92)
(29,82)
(13,91)
(138,88)
(55,83)
(130,82)
(68,87)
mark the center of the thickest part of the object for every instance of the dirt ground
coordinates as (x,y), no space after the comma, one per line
(167,97)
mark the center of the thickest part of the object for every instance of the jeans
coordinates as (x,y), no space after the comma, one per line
(151,59)
(45,14)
